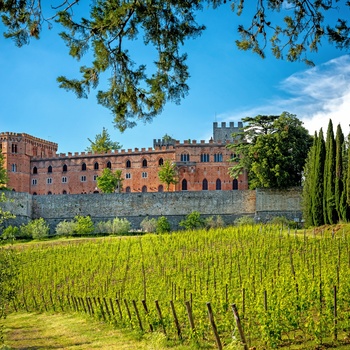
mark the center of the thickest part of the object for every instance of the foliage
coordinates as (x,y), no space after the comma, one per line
(10,233)
(168,174)
(66,228)
(214,222)
(3,172)
(116,226)
(36,229)
(4,214)
(136,92)
(83,225)
(110,181)
(272,149)
(244,220)
(149,225)
(102,143)
(283,222)
(192,221)
(163,225)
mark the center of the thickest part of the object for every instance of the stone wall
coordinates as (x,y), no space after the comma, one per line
(261,204)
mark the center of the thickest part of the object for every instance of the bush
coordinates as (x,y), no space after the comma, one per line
(116,226)
(149,225)
(10,233)
(36,229)
(214,222)
(192,221)
(283,222)
(163,225)
(65,228)
(83,225)
(244,220)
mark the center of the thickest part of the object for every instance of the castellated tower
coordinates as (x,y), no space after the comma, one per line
(18,149)
(224,133)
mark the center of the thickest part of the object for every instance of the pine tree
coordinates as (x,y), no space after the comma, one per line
(308,184)
(329,206)
(317,193)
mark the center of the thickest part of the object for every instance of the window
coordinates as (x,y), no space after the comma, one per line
(160,162)
(185,157)
(144,189)
(14,168)
(218,184)
(205,185)
(128,189)
(83,178)
(95,177)
(14,148)
(144,163)
(160,188)
(64,168)
(235,184)
(184,185)
(83,167)
(218,157)
(49,192)
(49,181)
(35,170)
(109,165)
(144,174)
(96,166)
(205,158)
(49,169)
(128,176)
(128,164)
(35,194)
(64,179)
(34,182)
(64,192)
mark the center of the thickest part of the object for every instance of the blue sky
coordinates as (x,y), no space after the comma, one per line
(225,85)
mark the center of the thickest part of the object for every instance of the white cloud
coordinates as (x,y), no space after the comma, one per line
(314,95)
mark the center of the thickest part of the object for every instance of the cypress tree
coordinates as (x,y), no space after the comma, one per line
(317,193)
(329,207)
(347,181)
(340,197)
(309,184)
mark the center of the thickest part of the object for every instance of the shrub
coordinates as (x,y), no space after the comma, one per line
(36,229)
(283,222)
(244,220)
(214,222)
(83,225)
(163,225)
(192,221)
(149,225)
(65,228)
(119,226)
(10,233)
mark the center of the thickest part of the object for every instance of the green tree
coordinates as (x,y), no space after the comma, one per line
(329,206)
(192,221)
(168,174)
(272,149)
(109,181)
(318,184)
(102,143)
(136,92)
(3,172)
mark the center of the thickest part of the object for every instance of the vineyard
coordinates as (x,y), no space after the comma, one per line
(289,288)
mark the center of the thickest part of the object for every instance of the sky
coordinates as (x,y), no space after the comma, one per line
(226,85)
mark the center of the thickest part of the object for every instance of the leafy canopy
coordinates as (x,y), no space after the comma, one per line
(168,174)
(135,92)
(102,143)
(272,149)
(110,181)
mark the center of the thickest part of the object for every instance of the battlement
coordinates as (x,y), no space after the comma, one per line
(224,133)
(27,138)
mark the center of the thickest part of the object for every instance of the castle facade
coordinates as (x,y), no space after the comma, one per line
(34,166)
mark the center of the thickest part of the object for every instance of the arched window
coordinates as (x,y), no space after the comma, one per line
(35,194)
(83,167)
(128,189)
(185,157)
(218,184)
(235,184)
(160,162)
(49,192)
(35,170)
(64,168)
(184,185)
(109,165)
(14,168)
(144,163)
(64,192)
(160,188)
(96,166)
(205,185)
(49,169)
(14,148)
(128,164)
(144,188)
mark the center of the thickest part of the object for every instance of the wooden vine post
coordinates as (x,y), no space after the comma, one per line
(190,315)
(239,326)
(213,326)
(175,319)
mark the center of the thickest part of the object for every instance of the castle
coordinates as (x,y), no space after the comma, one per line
(33,165)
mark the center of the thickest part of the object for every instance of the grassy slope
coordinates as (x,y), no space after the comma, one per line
(67,331)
